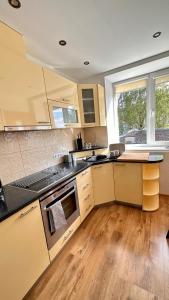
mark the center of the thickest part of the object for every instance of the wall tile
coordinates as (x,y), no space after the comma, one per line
(30,140)
(96,135)
(34,160)
(24,153)
(11,167)
(9,143)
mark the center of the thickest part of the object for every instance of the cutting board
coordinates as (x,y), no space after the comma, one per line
(134,156)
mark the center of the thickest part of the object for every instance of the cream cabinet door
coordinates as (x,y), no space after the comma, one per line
(23,99)
(128,182)
(89,106)
(103,183)
(24,255)
(60,89)
(63,115)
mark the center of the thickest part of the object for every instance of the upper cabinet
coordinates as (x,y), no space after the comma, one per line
(60,89)
(63,115)
(23,98)
(92,105)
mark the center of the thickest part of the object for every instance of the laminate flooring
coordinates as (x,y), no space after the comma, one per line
(118,252)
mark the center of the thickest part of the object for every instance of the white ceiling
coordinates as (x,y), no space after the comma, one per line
(108,33)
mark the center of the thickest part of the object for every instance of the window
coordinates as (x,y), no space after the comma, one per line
(131,103)
(162,108)
(141,109)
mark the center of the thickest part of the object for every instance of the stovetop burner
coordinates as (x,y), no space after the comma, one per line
(42,180)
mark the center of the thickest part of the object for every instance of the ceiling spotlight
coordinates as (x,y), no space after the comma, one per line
(86,63)
(156,34)
(62,43)
(15,3)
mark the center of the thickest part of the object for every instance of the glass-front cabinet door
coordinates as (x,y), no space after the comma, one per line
(88,100)
(63,116)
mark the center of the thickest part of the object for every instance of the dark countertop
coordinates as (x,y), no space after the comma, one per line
(89,149)
(17,198)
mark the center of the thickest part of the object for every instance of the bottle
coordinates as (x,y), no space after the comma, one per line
(2,198)
(1,187)
(79,142)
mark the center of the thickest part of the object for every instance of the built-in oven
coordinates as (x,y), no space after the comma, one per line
(64,115)
(60,208)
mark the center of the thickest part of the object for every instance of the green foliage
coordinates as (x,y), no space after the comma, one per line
(162,107)
(132,109)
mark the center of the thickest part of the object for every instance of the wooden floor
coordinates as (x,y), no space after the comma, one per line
(117,253)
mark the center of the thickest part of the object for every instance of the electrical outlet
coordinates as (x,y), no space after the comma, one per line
(56,155)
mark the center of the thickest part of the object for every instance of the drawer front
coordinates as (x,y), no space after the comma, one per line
(63,240)
(84,190)
(83,178)
(86,206)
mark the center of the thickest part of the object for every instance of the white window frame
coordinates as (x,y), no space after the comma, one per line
(150,109)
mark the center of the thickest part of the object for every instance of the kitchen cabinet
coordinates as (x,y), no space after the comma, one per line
(24,254)
(60,89)
(128,182)
(92,105)
(85,193)
(63,115)
(103,183)
(151,176)
(23,99)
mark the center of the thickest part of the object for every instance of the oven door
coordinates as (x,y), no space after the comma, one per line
(64,115)
(67,196)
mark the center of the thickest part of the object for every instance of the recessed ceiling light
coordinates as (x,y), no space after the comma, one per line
(86,63)
(62,43)
(156,34)
(15,3)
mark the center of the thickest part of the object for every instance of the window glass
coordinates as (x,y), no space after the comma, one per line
(131,110)
(162,108)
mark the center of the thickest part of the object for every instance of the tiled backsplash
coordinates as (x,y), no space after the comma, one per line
(23,153)
(96,135)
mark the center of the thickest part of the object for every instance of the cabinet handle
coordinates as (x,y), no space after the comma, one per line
(98,167)
(85,187)
(27,212)
(43,122)
(84,173)
(66,100)
(120,164)
(69,233)
(87,197)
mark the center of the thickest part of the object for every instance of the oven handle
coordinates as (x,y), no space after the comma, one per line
(74,190)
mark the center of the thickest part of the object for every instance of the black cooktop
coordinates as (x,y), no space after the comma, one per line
(42,180)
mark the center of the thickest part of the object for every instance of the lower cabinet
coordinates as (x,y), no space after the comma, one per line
(103,183)
(85,193)
(128,182)
(24,255)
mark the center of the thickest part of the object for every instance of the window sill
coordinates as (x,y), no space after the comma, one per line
(144,148)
